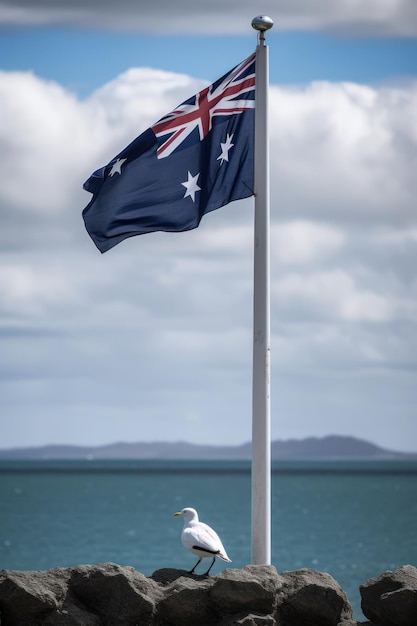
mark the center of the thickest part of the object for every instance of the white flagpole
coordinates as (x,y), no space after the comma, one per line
(261,433)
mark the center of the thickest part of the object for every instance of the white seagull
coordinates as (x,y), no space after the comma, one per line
(200,539)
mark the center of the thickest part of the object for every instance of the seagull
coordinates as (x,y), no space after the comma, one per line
(200,539)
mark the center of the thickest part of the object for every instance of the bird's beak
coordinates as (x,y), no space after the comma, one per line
(177,513)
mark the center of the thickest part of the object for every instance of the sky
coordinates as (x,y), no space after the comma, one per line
(152,341)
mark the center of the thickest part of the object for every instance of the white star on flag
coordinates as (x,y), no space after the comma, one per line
(191,186)
(117,167)
(225,149)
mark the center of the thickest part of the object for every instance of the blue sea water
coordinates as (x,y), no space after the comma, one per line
(353,520)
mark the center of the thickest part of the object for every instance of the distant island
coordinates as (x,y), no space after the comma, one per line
(330,447)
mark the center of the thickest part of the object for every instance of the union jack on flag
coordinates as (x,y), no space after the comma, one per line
(230,95)
(194,160)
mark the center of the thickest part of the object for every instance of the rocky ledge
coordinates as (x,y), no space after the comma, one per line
(112,595)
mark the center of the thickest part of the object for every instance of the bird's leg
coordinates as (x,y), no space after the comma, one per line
(212,563)
(192,570)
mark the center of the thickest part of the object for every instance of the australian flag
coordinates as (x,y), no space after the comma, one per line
(194,160)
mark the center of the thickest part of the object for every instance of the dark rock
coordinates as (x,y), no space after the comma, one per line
(119,595)
(313,598)
(400,606)
(191,599)
(252,588)
(111,595)
(391,598)
(186,602)
(26,598)
(86,595)
(250,620)
(71,614)
(168,575)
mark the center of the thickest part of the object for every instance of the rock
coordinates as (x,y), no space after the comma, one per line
(252,620)
(86,595)
(252,588)
(118,595)
(185,602)
(313,598)
(391,598)
(227,598)
(28,597)
(70,614)
(112,595)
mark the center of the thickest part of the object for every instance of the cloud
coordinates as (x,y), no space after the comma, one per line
(352,146)
(375,17)
(300,242)
(333,294)
(153,339)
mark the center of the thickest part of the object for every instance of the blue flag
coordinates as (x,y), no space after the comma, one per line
(194,160)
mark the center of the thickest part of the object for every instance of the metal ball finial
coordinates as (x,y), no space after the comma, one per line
(262,23)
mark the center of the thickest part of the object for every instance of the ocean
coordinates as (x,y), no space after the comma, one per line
(351,519)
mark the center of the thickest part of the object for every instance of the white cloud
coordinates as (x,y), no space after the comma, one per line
(161,325)
(392,17)
(342,147)
(302,242)
(396,17)
(26,291)
(333,294)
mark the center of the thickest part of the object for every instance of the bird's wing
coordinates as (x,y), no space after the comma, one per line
(214,537)
(202,536)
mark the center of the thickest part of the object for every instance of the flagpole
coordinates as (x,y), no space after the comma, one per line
(261,433)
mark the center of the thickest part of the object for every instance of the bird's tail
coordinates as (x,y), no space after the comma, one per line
(224,557)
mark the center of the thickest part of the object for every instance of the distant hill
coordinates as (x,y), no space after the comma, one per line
(331,447)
